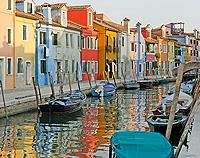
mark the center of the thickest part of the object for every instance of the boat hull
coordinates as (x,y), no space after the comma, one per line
(131,85)
(129,144)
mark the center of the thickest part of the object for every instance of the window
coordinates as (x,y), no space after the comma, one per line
(55,39)
(135,47)
(29,7)
(72,66)
(9,66)
(42,37)
(20,65)
(140,68)
(9,4)
(132,46)
(67,40)
(66,65)
(9,40)
(142,48)
(43,66)
(96,66)
(88,43)
(114,42)
(92,44)
(106,40)
(88,66)
(78,41)
(84,66)
(83,42)
(123,41)
(25,32)
(191,53)
(191,41)
(90,19)
(71,41)
(96,44)
(194,53)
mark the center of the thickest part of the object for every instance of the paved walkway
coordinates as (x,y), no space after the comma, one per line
(193,140)
(15,96)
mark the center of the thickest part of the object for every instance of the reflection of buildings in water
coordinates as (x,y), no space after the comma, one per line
(18,141)
(132,114)
(58,139)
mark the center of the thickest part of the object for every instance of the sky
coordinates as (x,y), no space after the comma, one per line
(154,12)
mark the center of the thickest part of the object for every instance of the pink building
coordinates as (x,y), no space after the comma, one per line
(7,64)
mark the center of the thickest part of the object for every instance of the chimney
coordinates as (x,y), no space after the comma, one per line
(46,11)
(126,24)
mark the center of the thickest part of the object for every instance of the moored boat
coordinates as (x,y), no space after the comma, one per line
(158,123)
(146,83)
(129,144)
(106,89)
(131,84)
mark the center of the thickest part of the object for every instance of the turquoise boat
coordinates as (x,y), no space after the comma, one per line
(129,144)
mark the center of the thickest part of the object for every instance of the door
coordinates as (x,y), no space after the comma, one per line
(28,73)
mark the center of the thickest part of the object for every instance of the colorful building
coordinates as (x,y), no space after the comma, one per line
(107,47)
(25,25)
(7,44)
(139,52)
(151,51)
(57,44)
(84,15)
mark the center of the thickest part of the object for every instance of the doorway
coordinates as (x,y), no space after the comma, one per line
(28,73)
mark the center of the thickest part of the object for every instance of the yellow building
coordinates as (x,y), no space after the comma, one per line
(25,26)
(188,52)
(107,49)
(171,55)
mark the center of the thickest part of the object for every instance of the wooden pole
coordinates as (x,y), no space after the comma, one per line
(79,88)
(36,93)
(69,80)
(39,93)
(95,80)
(106,75)
(52,85)
(60,83)
(89,80)
(175,101)
(4,103)
(114,79)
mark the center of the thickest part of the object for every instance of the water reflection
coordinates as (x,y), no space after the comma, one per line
(85,134)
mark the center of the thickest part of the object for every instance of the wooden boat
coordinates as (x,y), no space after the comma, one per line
(158,123)
(186,87)
(163,81)
(184,103)
(131,84)
(106,89)
(68,103)
(146,83)
(129,144)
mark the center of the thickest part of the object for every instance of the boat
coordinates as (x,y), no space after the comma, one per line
(183,106)
(131,84)
(163,81)
(105,89)
(146,83)
(132,144)
(186,87)
(158,123)
(70,103)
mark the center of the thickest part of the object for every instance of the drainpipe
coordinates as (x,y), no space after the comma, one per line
(139,42)
(14,54)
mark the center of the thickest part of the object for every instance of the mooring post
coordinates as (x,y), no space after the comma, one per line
(114,79)
(39,93)
(4,103)
(94,80)
(36,93)
(69,81)
(89,80)
(106,75)
(175,101)
(79,88)
(51,85)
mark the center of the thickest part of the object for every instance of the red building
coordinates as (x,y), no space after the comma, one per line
(84,16)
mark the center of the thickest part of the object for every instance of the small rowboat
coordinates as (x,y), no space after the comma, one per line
(129,144)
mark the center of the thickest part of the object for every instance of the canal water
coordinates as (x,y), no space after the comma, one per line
(85,134)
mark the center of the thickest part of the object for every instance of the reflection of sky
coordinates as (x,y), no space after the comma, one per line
(86,135)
